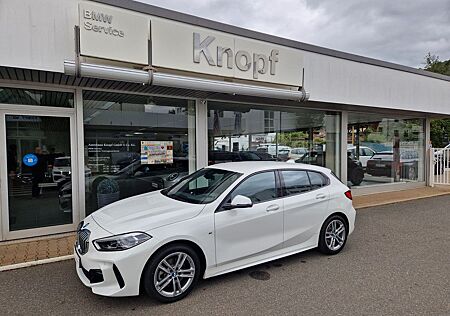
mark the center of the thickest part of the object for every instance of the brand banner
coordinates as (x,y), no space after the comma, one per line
(114,34)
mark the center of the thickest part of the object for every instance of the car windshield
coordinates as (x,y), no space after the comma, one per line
(202,187)
(62,162)
(130,168)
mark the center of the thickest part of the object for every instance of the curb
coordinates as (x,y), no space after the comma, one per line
(34,263)
(400,201)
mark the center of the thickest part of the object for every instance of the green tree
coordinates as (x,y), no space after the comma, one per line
(433,64)
(440,129)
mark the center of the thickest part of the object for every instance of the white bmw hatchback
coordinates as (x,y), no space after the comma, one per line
(219,219)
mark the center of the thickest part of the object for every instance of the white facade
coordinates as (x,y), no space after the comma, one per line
(38,37)
(46,33)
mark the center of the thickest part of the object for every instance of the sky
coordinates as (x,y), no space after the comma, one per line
(398,31)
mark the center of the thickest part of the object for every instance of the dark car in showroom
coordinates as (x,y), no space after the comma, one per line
(134,179)
(382,164)
(355,171)
(220,156)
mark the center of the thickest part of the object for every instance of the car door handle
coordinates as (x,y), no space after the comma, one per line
(272,208)
(320,196)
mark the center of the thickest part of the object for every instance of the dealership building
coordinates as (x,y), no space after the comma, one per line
(103,100)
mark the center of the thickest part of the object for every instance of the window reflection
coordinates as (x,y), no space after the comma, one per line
(135,144)
(387,149)
(39,165)
(239,132)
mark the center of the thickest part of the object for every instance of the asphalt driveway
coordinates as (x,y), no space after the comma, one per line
(397,262)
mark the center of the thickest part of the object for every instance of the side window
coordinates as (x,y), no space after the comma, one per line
(368,152)
(295,182)
(259,188)
(317,180)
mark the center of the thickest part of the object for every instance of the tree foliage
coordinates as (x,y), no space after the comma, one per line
(433,64)
(440,129)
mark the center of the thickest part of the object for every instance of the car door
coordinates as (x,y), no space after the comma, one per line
(245,232)
(305,204)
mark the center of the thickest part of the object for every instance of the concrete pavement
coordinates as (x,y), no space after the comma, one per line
(14,254)
(397,262)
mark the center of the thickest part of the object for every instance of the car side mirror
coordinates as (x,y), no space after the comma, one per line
(239,201)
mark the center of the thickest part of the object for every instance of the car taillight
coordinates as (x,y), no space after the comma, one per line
(348,194)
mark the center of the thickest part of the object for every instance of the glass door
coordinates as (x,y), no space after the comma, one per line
(37,186)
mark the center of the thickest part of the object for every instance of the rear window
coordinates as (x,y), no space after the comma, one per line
(317,179)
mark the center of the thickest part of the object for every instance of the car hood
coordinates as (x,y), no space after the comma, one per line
(61,168)
(144,213)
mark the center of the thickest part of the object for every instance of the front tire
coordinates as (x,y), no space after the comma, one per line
(333,235)
(172,273)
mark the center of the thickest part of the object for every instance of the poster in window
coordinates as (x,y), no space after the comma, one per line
(156,152)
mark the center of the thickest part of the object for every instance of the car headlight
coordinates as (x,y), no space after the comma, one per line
(121,242)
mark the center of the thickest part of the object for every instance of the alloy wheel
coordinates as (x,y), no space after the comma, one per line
(174,274)
(335,235)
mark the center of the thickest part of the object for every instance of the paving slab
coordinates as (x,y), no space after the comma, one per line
(395,263)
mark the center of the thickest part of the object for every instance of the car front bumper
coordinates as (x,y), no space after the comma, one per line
(115,273)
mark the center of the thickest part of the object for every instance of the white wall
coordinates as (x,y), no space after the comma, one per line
(335,80)
(39,35)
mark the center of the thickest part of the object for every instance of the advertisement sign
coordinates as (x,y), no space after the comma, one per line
(156,152)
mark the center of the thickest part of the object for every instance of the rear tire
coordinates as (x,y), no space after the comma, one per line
(357,176)
(333,235)
(172,273)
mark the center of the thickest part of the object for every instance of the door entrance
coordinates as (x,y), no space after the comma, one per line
(37,184)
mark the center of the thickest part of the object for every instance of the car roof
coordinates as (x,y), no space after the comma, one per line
(349,146)
(249,167)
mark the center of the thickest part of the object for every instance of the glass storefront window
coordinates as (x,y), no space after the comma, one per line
(385,149)
(36,97)
(135,144)
(239,132)
(39,168)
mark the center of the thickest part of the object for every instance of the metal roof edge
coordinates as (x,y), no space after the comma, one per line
(223,27)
